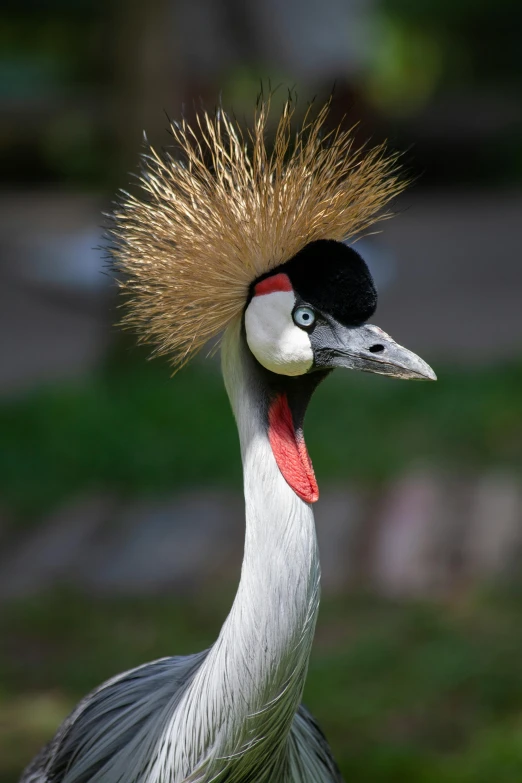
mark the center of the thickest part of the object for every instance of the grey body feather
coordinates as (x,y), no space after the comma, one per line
(231,714)
(122,713)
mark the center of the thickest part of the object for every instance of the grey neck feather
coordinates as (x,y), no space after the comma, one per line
(245,695)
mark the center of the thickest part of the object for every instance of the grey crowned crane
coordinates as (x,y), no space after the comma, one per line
(229,238)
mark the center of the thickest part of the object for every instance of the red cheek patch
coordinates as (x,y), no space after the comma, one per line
(269,285)
(290,451)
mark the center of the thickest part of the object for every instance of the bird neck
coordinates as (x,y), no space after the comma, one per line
(278,594)
(253,677)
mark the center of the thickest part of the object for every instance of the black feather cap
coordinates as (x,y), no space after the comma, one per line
(333,278)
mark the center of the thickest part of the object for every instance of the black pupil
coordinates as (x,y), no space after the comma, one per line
(305,316)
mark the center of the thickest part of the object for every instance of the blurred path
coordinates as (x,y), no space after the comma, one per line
(424,534)
(458,290)
(451,262)
(56,307)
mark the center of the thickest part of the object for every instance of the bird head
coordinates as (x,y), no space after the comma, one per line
(227,228)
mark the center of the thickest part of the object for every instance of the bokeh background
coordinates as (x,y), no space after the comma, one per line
(120,491)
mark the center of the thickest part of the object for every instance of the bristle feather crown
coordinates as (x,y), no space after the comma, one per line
(225,211)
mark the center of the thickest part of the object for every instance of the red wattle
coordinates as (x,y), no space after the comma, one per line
(290,451)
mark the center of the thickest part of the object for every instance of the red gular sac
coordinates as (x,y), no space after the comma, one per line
(290,451)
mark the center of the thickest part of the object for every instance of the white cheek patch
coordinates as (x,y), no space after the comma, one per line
(276,342)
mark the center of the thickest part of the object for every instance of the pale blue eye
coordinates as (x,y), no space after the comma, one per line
(304,316)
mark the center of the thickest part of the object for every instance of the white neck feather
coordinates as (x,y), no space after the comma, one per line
(244,697)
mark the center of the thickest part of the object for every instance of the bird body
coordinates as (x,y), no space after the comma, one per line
(233,713)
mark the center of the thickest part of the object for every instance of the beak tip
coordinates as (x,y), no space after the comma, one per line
(423,371)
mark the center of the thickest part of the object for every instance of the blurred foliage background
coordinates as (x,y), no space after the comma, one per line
(120,488)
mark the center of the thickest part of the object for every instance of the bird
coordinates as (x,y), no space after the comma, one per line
(228,239)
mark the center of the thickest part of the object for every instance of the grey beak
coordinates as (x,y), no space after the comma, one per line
(369,349)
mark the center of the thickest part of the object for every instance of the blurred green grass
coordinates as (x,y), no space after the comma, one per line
(131,429)
(411,693)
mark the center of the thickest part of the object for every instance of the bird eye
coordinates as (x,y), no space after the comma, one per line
(304,317)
